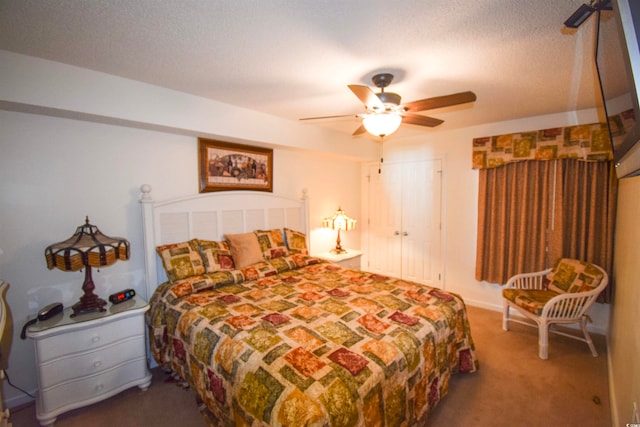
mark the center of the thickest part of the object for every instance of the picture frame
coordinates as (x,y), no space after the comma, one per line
(226,166)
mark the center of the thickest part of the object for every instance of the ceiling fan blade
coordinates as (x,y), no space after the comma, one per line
(367,96)
(440,101)
(359,131)
(329,117)
(417,119)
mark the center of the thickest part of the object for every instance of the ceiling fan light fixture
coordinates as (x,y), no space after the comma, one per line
(384,113)
(382,124)
(389,98)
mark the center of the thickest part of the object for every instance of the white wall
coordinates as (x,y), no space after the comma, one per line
(46,87)
(76,142)
(624,339)
(460,202)
(55,171)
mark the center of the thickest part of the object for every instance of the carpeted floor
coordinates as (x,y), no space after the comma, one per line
(512,388)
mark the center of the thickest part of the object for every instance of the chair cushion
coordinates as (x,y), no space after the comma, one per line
(532,300)
(571,275)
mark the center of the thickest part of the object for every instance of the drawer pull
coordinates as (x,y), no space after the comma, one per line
(97,364)
(95,339)
(99,387)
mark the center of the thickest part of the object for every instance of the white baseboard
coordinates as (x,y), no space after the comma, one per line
(483,304)
(20,400)
(498,308)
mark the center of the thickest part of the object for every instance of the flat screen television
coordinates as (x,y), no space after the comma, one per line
(618,67)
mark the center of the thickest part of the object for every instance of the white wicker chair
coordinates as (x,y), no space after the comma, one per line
(559,295)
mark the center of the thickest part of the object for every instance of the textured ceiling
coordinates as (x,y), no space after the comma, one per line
(294,59)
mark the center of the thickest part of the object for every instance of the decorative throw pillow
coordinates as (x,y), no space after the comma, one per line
(271,243)
(570,275)
(216,256)
(296,242)
(181,260)
(259,270)
(190,285)
(245,249)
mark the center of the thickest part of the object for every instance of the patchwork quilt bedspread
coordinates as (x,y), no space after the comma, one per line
(319,345)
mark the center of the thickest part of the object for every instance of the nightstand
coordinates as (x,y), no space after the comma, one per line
(349,259)
(90,357)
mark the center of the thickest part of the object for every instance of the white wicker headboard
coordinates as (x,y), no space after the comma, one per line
(210,216)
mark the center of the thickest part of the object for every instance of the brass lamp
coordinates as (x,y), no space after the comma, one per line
(87,248)
(339,221)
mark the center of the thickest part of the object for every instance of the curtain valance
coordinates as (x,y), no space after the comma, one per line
(584,142)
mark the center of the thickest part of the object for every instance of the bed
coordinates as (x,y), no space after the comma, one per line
(290,339)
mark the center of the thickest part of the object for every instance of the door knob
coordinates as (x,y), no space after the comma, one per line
(404,233)
(396,233)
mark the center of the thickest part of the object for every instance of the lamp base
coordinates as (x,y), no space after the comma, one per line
(338,249)
(88,303)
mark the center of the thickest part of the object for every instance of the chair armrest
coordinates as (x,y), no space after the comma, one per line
(569,306)
(574,304)
(533,280)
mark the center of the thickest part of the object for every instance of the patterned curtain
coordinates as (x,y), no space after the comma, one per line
(583,142)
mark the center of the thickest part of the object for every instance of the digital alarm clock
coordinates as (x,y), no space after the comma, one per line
(122,296)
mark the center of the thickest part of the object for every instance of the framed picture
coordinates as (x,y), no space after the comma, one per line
(224,166)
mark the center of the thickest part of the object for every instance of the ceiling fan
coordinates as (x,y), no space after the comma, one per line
(385,113)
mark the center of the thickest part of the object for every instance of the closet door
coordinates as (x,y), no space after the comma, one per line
(420,233)
(384,248)
(404,221)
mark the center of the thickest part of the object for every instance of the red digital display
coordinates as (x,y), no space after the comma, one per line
(122,296)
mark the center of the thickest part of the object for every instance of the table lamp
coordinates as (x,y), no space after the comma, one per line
(87,248)
(339,221)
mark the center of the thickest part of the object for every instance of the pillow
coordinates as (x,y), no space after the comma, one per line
(181,260)
(245,249)
(190,285)
(216,256)
(293,262)
(271,243)
(195,284)
(570,275)
(296,242)
(259,270)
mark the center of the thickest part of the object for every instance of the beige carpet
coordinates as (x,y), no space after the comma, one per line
(512,388)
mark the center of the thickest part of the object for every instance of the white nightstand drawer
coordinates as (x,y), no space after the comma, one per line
(60,345)
(74,394)
(92,362)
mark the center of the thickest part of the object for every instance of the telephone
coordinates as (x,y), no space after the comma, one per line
(46,312)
